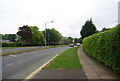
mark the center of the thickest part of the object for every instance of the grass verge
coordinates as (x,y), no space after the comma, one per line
(67,59)
(19,47)
(34,49)
(31,46)
(15,52)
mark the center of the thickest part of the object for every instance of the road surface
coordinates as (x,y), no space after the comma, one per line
(19,49)
(19,66)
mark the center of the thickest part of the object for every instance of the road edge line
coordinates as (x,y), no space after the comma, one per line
(29,77)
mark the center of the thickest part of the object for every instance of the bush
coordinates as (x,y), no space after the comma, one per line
(18,44)
(105,47)
(8,44)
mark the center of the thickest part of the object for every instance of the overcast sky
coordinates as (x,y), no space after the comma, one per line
(68,15)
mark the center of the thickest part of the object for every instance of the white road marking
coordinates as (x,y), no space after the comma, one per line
(24,53)
(13,55)
(8,58)
(9,64)
(21,60)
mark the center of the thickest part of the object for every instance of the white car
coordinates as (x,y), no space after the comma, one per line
(78,44)
(71,45)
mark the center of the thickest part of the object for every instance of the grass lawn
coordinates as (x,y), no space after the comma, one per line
(67,59)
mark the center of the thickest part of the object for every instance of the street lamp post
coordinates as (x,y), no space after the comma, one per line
(45,30)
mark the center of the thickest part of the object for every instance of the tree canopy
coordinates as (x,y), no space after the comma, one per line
(67,40)
(10,37)
(88,29)
(25,34)
(52,36)
(31,35)
(37,36)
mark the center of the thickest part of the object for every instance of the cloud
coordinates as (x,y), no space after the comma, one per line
(69,15)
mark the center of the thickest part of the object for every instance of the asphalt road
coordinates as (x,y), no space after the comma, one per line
(19,49)
(19,66)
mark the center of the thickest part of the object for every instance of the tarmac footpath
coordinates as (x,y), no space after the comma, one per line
(94,69)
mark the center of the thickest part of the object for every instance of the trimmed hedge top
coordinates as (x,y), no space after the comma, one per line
(105,47)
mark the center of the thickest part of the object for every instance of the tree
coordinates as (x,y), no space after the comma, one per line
(75,40)
(67,40)
(1,36)
(10,37)
(56,36)
(80,40)
(88,29)
(25,34)
(37,36)
(70,39)
(52,36)
(104,29)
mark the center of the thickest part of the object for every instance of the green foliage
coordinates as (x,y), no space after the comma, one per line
(8,44)
(30,35)
(1,35)
(105,47)
(25,34)
(80,40)
(52,36)
(75,40)
(104,29)
(37,36)
(17,44)
(88,29)
(10,37)
(66,40)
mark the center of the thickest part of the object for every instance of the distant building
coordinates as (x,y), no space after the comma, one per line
(119,12)
(2,41)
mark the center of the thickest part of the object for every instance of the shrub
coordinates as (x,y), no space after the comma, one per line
(18,44)
(105,47)
(8,44)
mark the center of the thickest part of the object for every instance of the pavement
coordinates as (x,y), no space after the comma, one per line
(61,73)
(92,71)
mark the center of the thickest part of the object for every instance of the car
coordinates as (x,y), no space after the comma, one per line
(71,45)
(78,44)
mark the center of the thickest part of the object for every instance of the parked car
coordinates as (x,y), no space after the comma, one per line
(78,44)
(71,45)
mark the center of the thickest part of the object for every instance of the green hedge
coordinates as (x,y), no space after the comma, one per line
(18,44)
(12,44)
(105,47)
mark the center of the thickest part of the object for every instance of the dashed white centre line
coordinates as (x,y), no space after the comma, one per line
(9,64)
(13,55)
(24,53)
(8,58)
(21,60)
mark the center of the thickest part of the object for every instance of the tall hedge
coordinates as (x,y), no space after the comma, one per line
(105,47)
